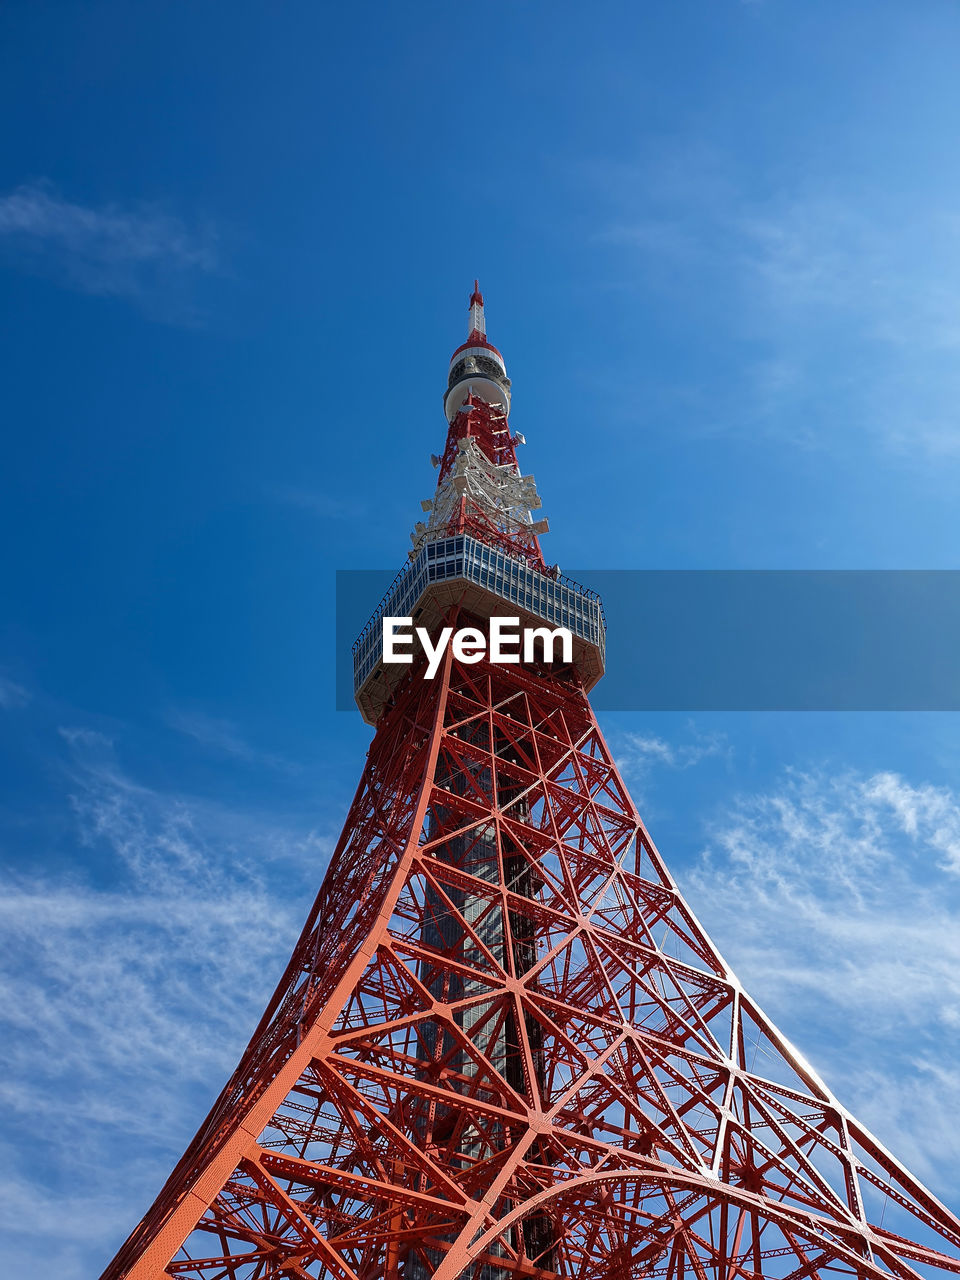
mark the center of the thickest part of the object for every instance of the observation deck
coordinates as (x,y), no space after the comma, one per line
(485,582)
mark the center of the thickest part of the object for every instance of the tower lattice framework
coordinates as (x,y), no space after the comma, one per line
(503,1046)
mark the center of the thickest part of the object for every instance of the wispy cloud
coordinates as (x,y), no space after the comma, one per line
(12,695)
(895,282)
(844,301)
(638,754)
(223,737)
(641,748)
(127,991)
(836,899)
(329,506)
(141,253)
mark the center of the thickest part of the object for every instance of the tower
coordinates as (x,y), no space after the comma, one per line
(503,1045)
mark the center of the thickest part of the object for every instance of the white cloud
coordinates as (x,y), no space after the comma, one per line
(223,737)
(90,738)
(844,299)
(12,695)
(836,899)
(893,282)
(127,991)
(641,747)
(637,754)
(136,253)
(924,813)
(72,1227)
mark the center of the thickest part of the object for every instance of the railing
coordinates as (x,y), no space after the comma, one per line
(560,601)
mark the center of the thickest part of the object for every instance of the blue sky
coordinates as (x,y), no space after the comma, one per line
(720,247)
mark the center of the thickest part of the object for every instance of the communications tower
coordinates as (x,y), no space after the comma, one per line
(504,1047)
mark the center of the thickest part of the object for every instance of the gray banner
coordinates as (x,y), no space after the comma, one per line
(750,640)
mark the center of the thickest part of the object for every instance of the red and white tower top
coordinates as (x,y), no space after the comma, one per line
(480,490)
(476,366)
(478,326)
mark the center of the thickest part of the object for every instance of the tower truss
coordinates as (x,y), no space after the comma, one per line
(503,1045)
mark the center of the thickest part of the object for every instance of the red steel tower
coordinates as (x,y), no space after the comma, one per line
(503,1045)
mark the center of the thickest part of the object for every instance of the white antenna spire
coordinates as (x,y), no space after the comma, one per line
(477,322)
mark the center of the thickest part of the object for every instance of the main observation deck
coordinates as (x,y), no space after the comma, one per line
(484,581)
